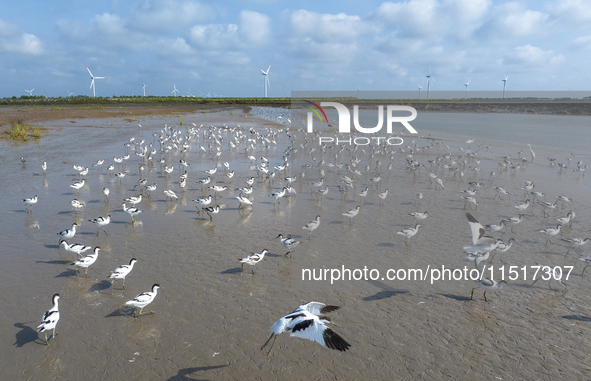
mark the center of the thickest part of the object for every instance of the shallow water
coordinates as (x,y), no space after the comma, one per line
(210,321)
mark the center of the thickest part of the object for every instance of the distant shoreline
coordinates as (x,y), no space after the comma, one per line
(40,111)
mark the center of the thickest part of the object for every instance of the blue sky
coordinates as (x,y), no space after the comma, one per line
(219,47)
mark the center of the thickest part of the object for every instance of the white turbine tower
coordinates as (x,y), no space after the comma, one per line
(175,90)
(30,91)
(143,86)
(92,86)
(266,79)
(420,87)
(466,84)
(505,85)
(429,78)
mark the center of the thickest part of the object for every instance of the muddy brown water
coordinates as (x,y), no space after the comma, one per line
(210,321)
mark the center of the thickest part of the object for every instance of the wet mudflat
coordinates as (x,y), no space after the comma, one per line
(210,321)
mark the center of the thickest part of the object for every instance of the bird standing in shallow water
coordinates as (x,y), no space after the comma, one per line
(313,225)
(487,284)
(121,272)
(30,202)
(50,318)
(143,299)
(87,261)
(101,222)
(131,211)
(253,259)
(408,233)
(68,233)
(288,242)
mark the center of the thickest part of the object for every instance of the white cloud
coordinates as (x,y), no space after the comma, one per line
(108,24)
(13,40)
(533,56)
(322,28)
(433,18)
(110,32)
(169,46)
(581,43)
(167,15)
(253,29)
(214,36)
(514,20)
(568,11)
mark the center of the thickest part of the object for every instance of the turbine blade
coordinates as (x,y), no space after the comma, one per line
(263,72)
(89,72)
(268,69)
(91,84)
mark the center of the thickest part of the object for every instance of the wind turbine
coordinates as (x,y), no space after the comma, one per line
(70,94)
(92,86)
(505,85)
(175,90)
(466,84)
(30,91)
(420,87)
(266,79)
(429,78)
(143,86)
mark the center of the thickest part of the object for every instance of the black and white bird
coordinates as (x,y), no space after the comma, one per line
(409,233)
(244,201)
(170,194)
(419,215)
(50,318)
(212,210)
(352,213)
(121,272)
(143,299)
(308,321)
(253,259)
(77,185)
(29,202)
(288,242)
(87,261)
(550,232)
(383,195)
(201,202)
(575,243)
(134,199)
(487,284)
(68,233)
(74,248)
(101,222)
(312,225)
(278,195)
(131,211)
(480,243)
